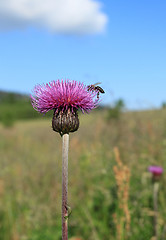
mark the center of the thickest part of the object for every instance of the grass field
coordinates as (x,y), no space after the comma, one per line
(30,178)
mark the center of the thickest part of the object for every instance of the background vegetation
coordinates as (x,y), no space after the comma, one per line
(14,107)
(110,189)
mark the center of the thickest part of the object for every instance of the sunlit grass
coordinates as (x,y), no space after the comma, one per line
(30,176)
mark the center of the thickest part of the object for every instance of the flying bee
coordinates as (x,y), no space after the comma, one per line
(95,88)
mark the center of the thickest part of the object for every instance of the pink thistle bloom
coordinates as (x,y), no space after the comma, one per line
(64,98)
(63,95)
(156,170)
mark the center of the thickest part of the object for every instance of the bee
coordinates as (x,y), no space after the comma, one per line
(95,88)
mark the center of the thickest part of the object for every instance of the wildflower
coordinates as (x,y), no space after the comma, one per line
(65,98)
(156,170)
(156,174)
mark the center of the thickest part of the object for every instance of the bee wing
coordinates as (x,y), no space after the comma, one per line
(97,83)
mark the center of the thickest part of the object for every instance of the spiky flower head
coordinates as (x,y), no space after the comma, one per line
(65,98)
(156,171)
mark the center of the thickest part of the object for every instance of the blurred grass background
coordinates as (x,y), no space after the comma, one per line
(30,173)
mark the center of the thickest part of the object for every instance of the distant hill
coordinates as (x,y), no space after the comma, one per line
(16,106)
(10,97)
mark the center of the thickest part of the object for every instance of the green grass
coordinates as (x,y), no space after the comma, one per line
(12,111)
(30,176)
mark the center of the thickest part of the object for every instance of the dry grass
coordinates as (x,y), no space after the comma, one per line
(30,176)
(122,216)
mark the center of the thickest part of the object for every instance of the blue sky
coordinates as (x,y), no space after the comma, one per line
(119,43)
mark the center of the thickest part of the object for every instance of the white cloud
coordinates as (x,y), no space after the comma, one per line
(60,16)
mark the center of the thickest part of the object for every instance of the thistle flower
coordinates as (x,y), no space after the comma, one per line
(156,170)
(156,174)
(65,98)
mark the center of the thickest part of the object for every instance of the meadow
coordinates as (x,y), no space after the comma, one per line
(110,189)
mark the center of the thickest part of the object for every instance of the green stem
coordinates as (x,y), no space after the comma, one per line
(65,148)
(155,205)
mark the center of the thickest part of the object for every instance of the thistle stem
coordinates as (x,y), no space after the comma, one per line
(155,204)
(65,148)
